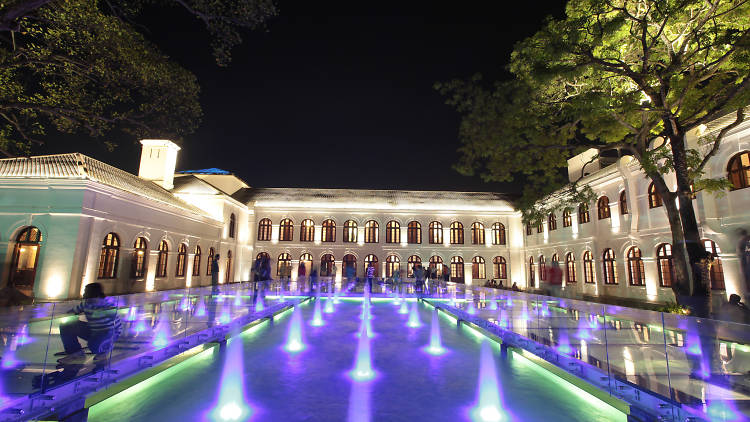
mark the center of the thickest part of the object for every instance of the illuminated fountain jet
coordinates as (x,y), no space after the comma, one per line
(329,306)
(435,347)
(489,407)
(200,307)
(317,320)
(232,404)
(414,321)
(294,335)
(238,298)
(162,329)
(493,304)
(363,371)
(471,308)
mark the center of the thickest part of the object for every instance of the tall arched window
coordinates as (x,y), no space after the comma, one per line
(457,269)
(306,260)
(329,231)
(567,220)
(326,265)
(210,260)
(588,268)
(665,264)
(232,225)
(477,233)
(532,277)
(161,262)
(393,232)
(500,268)
(350,231)
(717,270)
(583,214)
(609,267)
(414,232)
(436,262)
(498,234)
(555,258)
(552,221)
(623,203)
(654,199)
(286,230)
(457,233)
(181,260)
(539,227)
(197,261)
(528,229)
(636,271)
(349,261)
(109,256)
(570,268)
(25,259)
(477,268)
(602,208)
(371,231)
(264,229)
(307,231)
(542,268)
(436,232)
(230,275)
(283,262)
(392,265)
(738,170)
(410,263)
(372,259)
(140,254)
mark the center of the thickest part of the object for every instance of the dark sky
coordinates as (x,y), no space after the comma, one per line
(339,94)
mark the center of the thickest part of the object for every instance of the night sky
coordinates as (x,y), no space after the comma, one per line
(338,95)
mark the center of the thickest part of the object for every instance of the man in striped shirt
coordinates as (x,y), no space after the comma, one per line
(100,330)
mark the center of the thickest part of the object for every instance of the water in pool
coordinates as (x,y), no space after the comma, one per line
(317,383)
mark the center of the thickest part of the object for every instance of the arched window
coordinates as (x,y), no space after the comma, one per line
(232,224)
(665,264)
(477,268)
(372,259)
(436,262)
(609,267)
(230,276)
(371,231)
(583,214)
(588,268)
(306,260)
(717,270)
(393,232)
(654,199)
(528,229)
(197,261)
(307,231)
(457,233)
(326,265)
(210,260)
(392,265)
(539,227)
(161,262)
(500,268)
(623,203)
(414,232)
(283,262)
(457,269)
(410,263)
(738,170)
(542,268)
(109,256)
(181,261)
(286,230)
(477,233)
(140,254)
(532,278)
(555,258)
(329,231)
(349,261)
(552,221)
(350,231)
(498,234)
(264,229)
(436,232)
(602,207)
(570,267)
(567,220)
(636,272)
(25,259)
(262,256)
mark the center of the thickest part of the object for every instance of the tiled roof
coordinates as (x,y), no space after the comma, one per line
(375,199)
(79,166)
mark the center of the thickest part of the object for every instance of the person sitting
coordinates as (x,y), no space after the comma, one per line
(735,310)
(514,287)
(100,330)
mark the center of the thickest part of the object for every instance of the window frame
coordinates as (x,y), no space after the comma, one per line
(457,233)
(654,199)
(286,230)
(140,258)
(232,226)
(328,231)
(498,234)
(636,266)
(741,171)
(181,266)
(350,231)
(197,261)
(570,268)
(307,230)
(109,257)
(567,218)
(162,259)
(414,233)
(583,213)
(624,203)
(265,228)
(392,232)
(602,208)
(477,233)
(372,231)
(609,267)
(436,233)
(478,268)
(664,253)
(589,277)
(500,268)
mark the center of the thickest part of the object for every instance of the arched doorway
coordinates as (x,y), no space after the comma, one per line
(25,260)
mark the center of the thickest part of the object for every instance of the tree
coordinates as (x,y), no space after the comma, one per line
(83,66)
(633,76)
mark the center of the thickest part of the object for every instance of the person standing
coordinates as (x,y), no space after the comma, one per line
(419,279)
(301,273)
(554,285)
(743,255)
(215,275)
(370,275)
(313,279)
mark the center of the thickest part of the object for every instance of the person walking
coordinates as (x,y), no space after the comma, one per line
(397,281)
(313,280)
(419,280)
(370,275)
(215,275)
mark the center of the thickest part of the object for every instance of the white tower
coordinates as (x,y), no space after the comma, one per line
(158,161)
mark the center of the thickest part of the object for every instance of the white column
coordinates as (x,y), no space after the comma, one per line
(189,269)
(446,236)
(295,268)
(467,273)
(404,236)
(153,258)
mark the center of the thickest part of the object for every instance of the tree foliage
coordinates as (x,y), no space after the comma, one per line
(82,66)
